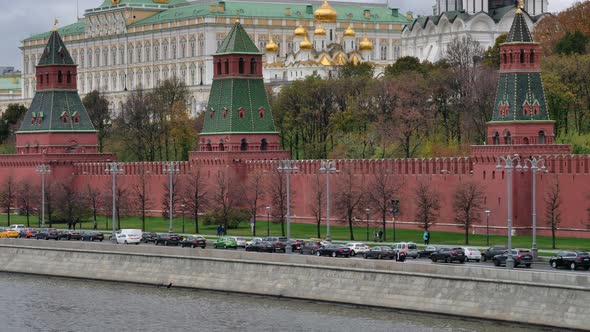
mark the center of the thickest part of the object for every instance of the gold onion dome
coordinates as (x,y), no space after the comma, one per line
(320,31)
(305,44)
(300,32)
(366,45)
(325,13)
(272,47)
(349,32)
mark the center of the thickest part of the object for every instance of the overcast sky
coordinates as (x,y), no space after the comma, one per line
(23,18)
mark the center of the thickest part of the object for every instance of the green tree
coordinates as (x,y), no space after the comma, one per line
(491,56)
(11,120)
(364,69)
(405,64)
(166,96)
(98,109)
(572,43)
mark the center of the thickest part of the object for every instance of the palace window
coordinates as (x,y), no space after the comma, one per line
(114,56)
(507,138)
(219,67)
(241,65)
(532,56)
(193,47)
(147,52)
(65,117)
(263,145)
(105,56)
(226,66)
(521,56)
(253,66)
(244,145)
(69,77)
(183,48)
(157,51)
(165,50)
(496,138)
(541,137)
(138,53)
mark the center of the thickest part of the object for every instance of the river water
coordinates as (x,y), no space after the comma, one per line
(33,303)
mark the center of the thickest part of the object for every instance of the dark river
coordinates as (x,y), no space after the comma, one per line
(31,303)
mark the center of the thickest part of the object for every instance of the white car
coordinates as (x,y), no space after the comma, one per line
(254,239)
(17,228)
(129,236)
(357,248)
(239,240)
(472,254)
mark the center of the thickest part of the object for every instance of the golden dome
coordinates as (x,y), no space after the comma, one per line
(319,31)
(271,47)
(300,32)
(305,44)
(349,32)
(325,13)
(366,45)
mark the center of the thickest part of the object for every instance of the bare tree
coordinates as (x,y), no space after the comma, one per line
(384,188)
(94,200)
(254,193)
(317,201)
(226,196)
(278,194)
(349,196)
(122,201)
(27,198)
(8,195)
(468,204)
(195,196)
(427,204)
(71,204)
(141,194)
(553,208)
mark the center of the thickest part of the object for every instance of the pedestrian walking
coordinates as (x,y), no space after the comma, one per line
(218,230)
(374,236)
(380,235)
(426,237)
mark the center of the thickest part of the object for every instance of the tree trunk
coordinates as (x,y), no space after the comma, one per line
(384,226)
(95,226)
(350,228)
(283,227)
(196,221)
(467,233)
(8,215)
(319,225)
(28,223)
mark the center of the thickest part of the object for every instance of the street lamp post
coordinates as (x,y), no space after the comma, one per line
(114,170)
(488,226)
(537,164)
(368,211)
(267,221)
(328,167)
(171,168)
(510,163)
(287,167)
(43,170)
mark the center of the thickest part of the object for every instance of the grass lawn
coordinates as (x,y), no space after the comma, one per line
(305,231)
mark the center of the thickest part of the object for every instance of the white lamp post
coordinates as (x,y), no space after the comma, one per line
(114,170)
(286,166)
(43,170)
(171,168)
(488,226)
(328,167)
(509,163)
(537,164)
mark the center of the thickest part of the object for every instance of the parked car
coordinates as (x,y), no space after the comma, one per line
(448,255)
(333,250)
(129,236)
(168,239)
(240,241)
(426,252)
(357,248)
(16,227)
(42,233)
(225,242)
(571,260)
(492,251)
(54,234)
(252,241)
(28,233)
(8,233)
(279,243)
(310,247)
(92,236)
(410,249)
(71,235)
(296,244)
(194,241)
(379,253)
(260,246)
(63,234)
(472,254)
(147,237)
(520,257)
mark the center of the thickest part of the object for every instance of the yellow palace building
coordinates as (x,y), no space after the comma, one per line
(123,44)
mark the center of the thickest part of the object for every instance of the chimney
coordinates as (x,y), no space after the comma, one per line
(287,11)
(213,8)
(309,9)
(367,14)
(221,7)
(394,12)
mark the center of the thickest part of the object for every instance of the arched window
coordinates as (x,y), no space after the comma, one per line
(241,65)
(511,58)
(226,66)
(541,137)
(532,56)
(525,141)
(496,138)
(69,77)
(244,145)
(263,145)
(40,79)
(209,147)
(221,146)
(505,58)
(521,55)
(507,138)
(219,67)
(253,66)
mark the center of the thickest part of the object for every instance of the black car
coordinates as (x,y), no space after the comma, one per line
(147,237)
(260,246)
(309,248)
(492,251)
(333,250)
(296,244)
(53,234)
(448,255)
(43,233)
(520,257)
(168,239)
(571,260)
(71,235)
(92,236)
(279,243)
(193,242)
(380,253)
(426,252)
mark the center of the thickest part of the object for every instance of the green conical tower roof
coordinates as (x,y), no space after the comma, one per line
(237,42)
(55,52)
(519,31)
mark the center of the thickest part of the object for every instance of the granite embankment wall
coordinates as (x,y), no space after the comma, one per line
(558,299)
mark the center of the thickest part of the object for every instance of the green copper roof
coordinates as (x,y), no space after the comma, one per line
(109,3)
(520,98)
(55,52)
(68,30)
(10,83)
(519,32)
(53,105)
(237,42)
(228,97)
